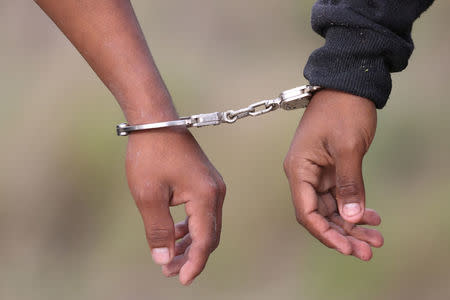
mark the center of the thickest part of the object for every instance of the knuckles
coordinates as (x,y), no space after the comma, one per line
(209,244)
(221,188)
(298,169)
(301,218)
(290,163)
(349,146)
(348,189)
(211,189)
(149,198)
(159,236)
(286,165)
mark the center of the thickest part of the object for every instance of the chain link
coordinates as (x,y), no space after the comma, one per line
(295,98)
(253,110)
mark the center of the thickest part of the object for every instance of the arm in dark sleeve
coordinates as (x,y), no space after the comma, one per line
(366,40)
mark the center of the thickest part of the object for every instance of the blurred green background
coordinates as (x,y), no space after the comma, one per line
(69,228)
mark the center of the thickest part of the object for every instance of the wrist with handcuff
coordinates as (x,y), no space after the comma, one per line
(295,98)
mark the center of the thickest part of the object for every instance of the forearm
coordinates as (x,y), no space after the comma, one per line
(108,36)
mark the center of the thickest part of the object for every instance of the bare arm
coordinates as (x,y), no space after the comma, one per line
(165,167)
(108,35)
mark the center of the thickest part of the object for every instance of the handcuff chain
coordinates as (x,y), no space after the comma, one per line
(231,116)
(298,97)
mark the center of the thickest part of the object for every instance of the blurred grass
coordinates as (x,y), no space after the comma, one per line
(69,228)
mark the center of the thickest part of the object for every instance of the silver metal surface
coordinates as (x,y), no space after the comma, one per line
(202,120)
(295,98)
(124,129)
(298,97)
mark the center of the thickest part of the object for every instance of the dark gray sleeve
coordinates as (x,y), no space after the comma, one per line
(366,40)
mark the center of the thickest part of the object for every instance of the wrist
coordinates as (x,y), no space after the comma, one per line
(149,114)
(148,108)
(339,100)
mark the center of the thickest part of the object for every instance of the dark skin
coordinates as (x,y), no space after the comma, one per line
(160,163)
(324,169)
(108,35)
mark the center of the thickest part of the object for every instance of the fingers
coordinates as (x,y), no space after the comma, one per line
(181,229)
(199,234)
(181,256)
(173,268)
(183,244)
(202,226)
(371,218)
(371,236)
(204,230)
(350,195)
(361,249)
(338,234)
(306,206)
(159,227)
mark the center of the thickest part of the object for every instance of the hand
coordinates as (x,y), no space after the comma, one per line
(324,169)
(166,167)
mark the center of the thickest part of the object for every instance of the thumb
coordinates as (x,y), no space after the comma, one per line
(350,194)
(159,227)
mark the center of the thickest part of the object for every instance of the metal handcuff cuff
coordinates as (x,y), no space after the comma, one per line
(295,98)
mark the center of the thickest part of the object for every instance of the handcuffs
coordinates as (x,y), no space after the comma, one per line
(295,98)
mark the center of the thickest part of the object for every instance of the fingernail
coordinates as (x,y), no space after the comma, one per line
(161,256)
(351,209)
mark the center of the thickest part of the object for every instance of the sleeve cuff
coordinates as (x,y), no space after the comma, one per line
(352,61)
